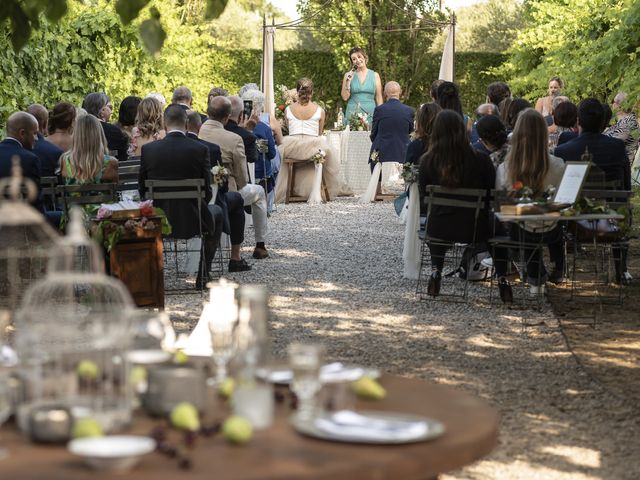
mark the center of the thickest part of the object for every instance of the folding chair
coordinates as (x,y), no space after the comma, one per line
(189,189)
(48,188)
(452,289)
(128,178)
(95,193)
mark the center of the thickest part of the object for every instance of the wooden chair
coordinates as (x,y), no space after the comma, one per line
(48,188)
(96,193)
(466,198)
(289,195)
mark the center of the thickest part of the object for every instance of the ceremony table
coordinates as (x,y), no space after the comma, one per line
(471,432)
(353,148)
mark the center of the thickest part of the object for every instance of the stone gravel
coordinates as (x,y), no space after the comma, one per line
(335,276)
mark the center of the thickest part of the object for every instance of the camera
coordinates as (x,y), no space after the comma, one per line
(248,108)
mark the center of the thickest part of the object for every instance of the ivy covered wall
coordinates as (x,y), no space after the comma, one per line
(90,50)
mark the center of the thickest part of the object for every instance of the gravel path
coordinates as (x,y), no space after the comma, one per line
(335,276)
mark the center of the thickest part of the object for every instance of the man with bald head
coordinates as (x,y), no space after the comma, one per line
(483,110)
(22,128)
(392,124)
(48,153)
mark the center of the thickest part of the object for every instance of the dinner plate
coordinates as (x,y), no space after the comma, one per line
(115,453)
(369,427)
(331,373)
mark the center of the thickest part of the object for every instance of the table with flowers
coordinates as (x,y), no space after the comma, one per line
(353,148)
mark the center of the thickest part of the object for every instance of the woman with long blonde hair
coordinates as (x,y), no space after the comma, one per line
(529,164)
(87,161)
(149,125)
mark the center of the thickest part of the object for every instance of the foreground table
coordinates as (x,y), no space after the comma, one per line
(281,453)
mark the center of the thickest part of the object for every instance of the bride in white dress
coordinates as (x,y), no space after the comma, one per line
(305,120)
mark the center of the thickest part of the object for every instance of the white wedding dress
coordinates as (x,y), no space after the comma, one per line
(301,144)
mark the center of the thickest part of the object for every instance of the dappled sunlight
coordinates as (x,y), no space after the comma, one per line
(475,354)
(292,253)
(517,470)
(587,456)
(483,341)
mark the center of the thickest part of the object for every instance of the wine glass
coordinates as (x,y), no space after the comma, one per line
(305,360)
(223,343)
(153,338)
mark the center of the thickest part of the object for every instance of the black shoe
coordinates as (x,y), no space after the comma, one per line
(506,293)
(433,288)
(201,282)
(557,277)
(238,266)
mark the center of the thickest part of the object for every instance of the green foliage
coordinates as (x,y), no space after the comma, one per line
(591,44)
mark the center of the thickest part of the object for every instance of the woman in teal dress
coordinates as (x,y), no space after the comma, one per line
(361,87)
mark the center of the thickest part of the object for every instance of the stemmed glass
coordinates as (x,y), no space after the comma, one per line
(223,343)
(305,360)
(153,337)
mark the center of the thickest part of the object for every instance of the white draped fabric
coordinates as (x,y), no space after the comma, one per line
(370,194)
(411,248)
(448,56)
(268,37)
(316,195)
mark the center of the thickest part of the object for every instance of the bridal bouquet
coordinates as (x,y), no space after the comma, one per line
(319,157)
(358,121)
(220,174)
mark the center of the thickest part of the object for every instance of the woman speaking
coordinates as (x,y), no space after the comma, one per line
(361,87)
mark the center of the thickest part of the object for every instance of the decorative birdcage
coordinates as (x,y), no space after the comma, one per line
(73,330)
(25,240)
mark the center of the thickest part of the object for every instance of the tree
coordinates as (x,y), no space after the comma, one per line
(592,45)
(26,15)
(396,34)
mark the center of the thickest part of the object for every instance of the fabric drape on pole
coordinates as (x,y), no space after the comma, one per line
(448,56)
(268,35)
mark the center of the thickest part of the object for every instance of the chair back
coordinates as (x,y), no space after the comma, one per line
(597,180)
(128,176)
(131,161)
(95,193)
(171,195)
(48,188)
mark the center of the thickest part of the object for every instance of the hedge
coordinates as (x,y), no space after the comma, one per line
(90,50)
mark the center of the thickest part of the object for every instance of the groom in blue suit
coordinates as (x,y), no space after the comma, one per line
(392,124)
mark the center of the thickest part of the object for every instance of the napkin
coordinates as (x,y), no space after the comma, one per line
(350,425)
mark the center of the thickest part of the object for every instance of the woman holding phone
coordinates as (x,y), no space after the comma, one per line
(361,87)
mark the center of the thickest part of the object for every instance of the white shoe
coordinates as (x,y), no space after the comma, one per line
(536,289)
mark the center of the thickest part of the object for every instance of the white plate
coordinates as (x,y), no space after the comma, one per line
(369,427)
(148,357)
(117,452)
(331,373)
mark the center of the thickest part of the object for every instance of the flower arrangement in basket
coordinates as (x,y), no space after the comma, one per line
(409,173)
(319,157)
(108,233)
(219,174)
(358,121)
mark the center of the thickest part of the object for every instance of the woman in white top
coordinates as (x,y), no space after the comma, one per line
(529,164)
(305,120)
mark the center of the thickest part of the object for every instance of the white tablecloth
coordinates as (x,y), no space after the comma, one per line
(353,149)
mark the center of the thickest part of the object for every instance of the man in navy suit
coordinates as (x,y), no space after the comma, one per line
(22,129)
(608,153)
(48,153)
(392,124)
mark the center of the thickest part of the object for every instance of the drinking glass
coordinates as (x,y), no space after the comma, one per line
(223,343)
(305,360)
(153,338)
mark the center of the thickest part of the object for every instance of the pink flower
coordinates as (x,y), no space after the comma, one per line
(103,213)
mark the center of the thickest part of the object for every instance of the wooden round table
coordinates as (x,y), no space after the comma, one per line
(281,453)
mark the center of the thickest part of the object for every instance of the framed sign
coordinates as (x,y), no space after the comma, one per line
(574,176)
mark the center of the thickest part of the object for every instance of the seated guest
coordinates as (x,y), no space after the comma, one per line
(554,104)
(503,107)
(481,111)
(434,89)
(452,163)
(182,96)
(231,203)
(529,163)
(236,124)
(305,121)
(159,97)
(22,130)
(48,153)
(99,105)
(233,158)
(270,161)
(493,139)
(516,106)
(61,121)
(607,153)
(565,116)
(449,99)
(250,91)
(391,127)
(127,116)
(88,161)
(626,127)
(177,157)
(424,126)
(149,125)
(497,92)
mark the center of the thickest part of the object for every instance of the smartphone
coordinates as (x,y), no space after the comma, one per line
(248,108)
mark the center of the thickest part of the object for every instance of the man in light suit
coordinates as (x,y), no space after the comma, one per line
(233,157)
(392,124)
